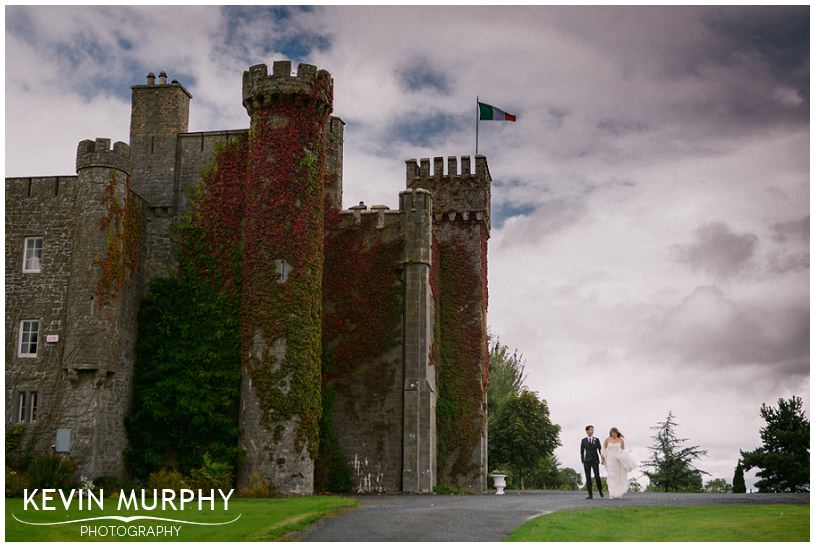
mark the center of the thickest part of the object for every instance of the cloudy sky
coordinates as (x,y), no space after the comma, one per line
(650,242)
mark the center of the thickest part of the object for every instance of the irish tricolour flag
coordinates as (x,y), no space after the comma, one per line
(489,112)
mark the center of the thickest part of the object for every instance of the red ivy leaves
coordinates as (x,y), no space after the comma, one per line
(364,314)
(124,225)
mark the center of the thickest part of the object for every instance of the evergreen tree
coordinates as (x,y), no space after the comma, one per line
(671,462)
(524,434)
(738,480)
(783,460)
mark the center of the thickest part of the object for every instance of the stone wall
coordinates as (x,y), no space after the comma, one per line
(102,307)
(362,344)
(38,206)
(83,378)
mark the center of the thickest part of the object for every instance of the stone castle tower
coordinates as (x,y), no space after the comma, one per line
(395,299)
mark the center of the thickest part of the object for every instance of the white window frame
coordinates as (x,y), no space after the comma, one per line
(20,352)
(33,399)
(30,246)
(26,406)
(22,396)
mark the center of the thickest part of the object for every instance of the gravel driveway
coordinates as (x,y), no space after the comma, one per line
(488,517)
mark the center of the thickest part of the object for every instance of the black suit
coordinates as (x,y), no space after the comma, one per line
(590,456)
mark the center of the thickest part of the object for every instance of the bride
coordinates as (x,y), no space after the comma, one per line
(618,463)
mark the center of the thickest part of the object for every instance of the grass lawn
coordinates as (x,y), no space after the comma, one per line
(705,523)
(260,520)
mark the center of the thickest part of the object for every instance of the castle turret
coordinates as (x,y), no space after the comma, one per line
(282,268)
(159,114)
(461,228)
(101,306)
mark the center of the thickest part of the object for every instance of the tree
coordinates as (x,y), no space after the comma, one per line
(506,376)
(671,462)
(569,479)
(523,433)
(717,486)
(738,480)
(186,378)
(506,380)
(783,459)
(547,474)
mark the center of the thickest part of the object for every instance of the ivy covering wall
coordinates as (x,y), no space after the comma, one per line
(462,352)
(362,324)
(282,275)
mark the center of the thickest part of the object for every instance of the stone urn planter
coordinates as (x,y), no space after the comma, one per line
(500,482)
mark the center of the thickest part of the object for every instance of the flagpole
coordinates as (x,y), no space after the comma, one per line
(476,124)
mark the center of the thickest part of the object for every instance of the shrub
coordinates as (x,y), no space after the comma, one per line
(258,488)
(108,484)
(212,475)
(166,478)
(51,471)
(17,457)
(14,437)
(16,482)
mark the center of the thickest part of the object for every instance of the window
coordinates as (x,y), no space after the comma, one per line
(26,406)
(32,255)
(29,333)
(21,406)
(32,406)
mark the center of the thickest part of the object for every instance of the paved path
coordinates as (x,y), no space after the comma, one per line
(487,517)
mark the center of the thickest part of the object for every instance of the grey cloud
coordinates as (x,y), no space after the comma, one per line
(783,263)
(793,230)
(555,116)
(707,328)
(418,74)
(778,36)
(621,127)
(718,250)
(550,217)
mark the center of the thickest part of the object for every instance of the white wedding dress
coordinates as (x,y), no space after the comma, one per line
(618,465)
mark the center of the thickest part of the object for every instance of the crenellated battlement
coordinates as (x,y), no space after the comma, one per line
(99,154)
(45,188)
(260,88)
(460,193)
(415,199)
(420,170)
(384,216)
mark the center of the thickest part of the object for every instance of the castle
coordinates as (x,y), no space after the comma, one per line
(410,407)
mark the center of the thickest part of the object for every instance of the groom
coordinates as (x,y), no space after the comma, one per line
(591,457)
